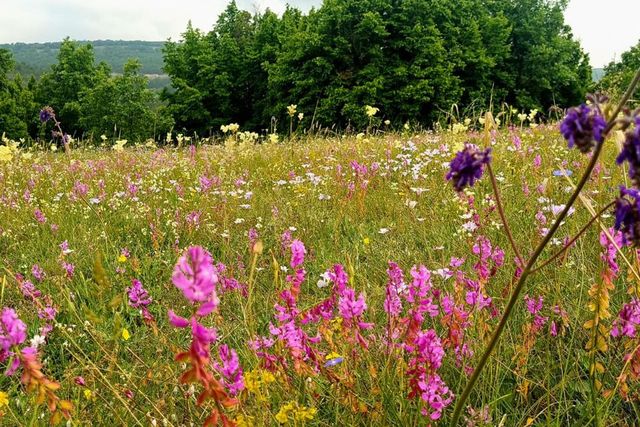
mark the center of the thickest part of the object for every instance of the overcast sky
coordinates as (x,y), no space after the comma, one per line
(605,28)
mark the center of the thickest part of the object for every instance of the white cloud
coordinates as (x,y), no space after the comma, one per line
(605,30)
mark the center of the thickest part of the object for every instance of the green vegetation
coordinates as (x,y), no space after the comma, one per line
(412,59)
(35,59)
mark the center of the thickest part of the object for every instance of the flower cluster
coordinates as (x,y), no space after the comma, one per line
(196,276)
(139,298)
(583,127)
(467,166)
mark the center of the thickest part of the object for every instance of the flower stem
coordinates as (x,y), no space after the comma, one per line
(574,239)
(503,217)
(528,269)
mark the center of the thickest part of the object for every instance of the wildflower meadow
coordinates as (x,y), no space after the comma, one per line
(481,274)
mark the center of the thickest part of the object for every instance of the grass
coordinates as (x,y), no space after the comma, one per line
(140,199)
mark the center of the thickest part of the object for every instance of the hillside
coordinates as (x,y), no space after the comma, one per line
(36,58)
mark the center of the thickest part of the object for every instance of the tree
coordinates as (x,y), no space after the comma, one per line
(74,74)
(123,107)
(16,101)
(618,75)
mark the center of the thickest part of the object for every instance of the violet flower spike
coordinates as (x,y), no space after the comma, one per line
(468,166)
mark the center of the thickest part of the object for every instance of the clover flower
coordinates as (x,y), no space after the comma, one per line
(627,215)
(583,127)
(467,166)
(631,152)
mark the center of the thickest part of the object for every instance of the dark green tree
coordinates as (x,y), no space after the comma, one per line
(74,74)
(16,101)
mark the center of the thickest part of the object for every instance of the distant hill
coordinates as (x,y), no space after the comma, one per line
(36,58)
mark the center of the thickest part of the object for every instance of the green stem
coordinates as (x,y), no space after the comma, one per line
(538,251)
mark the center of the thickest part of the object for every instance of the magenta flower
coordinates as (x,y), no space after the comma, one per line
(628,320)
(230,370)
(13,332)
(298,251)
(138,295)
(196,276)
(349,306)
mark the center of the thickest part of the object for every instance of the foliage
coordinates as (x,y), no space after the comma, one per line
(618,74)
(412,59)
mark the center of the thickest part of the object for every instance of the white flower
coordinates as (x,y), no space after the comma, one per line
(469,226)
(325,279)
(383,231)
(37,341)
(239,220)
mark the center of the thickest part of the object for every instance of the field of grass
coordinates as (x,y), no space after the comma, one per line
(81,227)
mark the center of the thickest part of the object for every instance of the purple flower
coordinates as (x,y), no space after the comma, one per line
(230,370)
(627,214)
(333,362)
(631,152)
(138,295)
(628,320)
(468,165)
(583,127)
(46,114)
(38,272)
(196,276)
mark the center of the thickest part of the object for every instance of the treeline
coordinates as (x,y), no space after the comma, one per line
(88,98)
(412,59)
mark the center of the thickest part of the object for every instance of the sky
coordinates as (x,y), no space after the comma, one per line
(605,28)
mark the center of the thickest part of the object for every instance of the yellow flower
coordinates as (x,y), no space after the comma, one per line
(119,144)
(332,355)
(371,111)
(291,110)
(87,394)
(366,240)
(122,258)
(242,421)
(5,153)
(4,399)
(125,334)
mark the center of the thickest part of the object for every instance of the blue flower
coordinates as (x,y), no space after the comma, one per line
(560,172)
(583,127)
(468,165)
(333,362)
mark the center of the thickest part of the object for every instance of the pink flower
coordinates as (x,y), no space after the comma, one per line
(196,276)
(298,251)
(350,307)
(38,272)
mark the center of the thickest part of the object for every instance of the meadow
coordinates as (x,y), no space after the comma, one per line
(348,283)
